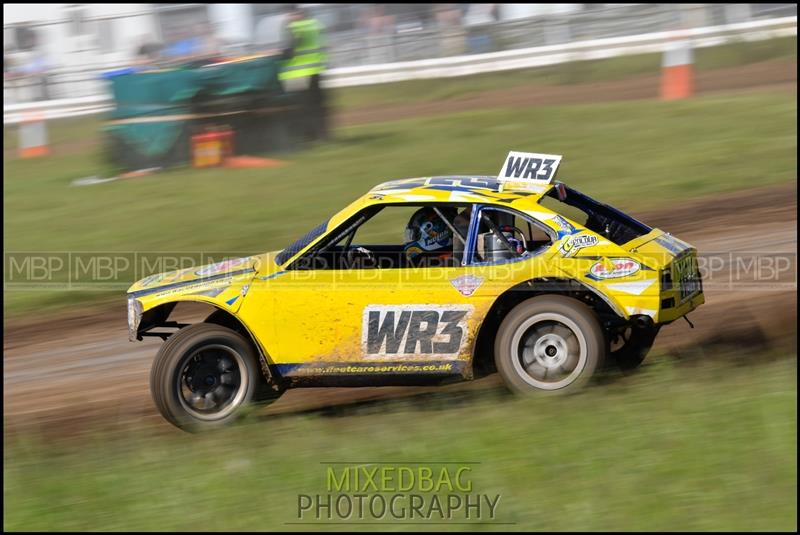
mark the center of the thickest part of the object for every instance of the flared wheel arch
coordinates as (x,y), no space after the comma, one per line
(217,316)
(483,349)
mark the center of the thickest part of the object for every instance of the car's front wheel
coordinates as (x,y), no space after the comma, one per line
(549,343)
(203,376)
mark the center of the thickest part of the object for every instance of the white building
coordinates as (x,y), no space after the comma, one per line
(97,35)
(70,35)
(76,42)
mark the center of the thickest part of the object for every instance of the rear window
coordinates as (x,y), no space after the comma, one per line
(603,219)
(297,246)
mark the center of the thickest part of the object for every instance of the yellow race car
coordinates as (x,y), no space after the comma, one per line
(422,280)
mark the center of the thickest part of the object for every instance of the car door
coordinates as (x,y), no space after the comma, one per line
(394,320)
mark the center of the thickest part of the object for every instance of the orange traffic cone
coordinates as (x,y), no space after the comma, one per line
(677,70)
(33,135)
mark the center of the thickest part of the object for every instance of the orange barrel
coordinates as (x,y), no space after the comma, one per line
(677,70)
(226,136)
(207,149)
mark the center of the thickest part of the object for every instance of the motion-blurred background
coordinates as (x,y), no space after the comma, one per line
(178,132)
(67,46)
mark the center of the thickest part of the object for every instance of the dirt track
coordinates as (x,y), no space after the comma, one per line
(775,74)
(65,373)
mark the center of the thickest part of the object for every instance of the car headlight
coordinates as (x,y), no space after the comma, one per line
(134,317)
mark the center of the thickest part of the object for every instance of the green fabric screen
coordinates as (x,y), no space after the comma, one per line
(157,112)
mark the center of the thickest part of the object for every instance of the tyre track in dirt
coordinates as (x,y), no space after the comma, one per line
(67,373)
(777,75)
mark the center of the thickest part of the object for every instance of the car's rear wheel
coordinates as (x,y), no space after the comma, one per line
(548,344)
(628,349)
(204,376)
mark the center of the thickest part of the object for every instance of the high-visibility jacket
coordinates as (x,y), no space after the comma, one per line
(309,58)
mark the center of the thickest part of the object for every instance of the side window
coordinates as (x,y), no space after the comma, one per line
(571,212)
(385,228)
(505,236)
(394,236)
(601,218)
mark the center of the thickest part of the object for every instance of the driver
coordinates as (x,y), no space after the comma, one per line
(428,239)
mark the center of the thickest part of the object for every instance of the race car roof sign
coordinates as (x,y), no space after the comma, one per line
(530,167)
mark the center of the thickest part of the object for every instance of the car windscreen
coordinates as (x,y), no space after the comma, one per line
(297,246)
(601,218)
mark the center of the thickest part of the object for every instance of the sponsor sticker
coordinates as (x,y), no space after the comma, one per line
(529,166)
(565,228)
(213,292)
(152,279)
(466,284)
(317,369)
(572,244)
(672,244)
(413,251)
(222,267)
(161,278)
(198,285)
(414,331)
(623,267)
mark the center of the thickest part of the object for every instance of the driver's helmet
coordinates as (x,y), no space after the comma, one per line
(426,232)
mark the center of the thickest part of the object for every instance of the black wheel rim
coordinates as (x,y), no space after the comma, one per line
(211,382)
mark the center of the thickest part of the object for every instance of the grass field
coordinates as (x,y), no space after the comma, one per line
(576,72)
(638,155)
(704,445)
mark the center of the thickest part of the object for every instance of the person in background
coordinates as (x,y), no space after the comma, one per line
(10,75)
(379,27)
(207,44)
(30,69)
(480,20)
(451,32)
(182,47)
(148,52)
(303,64)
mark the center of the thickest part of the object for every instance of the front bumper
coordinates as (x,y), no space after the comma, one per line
(668,315)
(135,310)
(681,287)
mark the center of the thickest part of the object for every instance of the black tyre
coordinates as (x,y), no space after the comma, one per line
(548,344)
(204,376)
(628,349)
